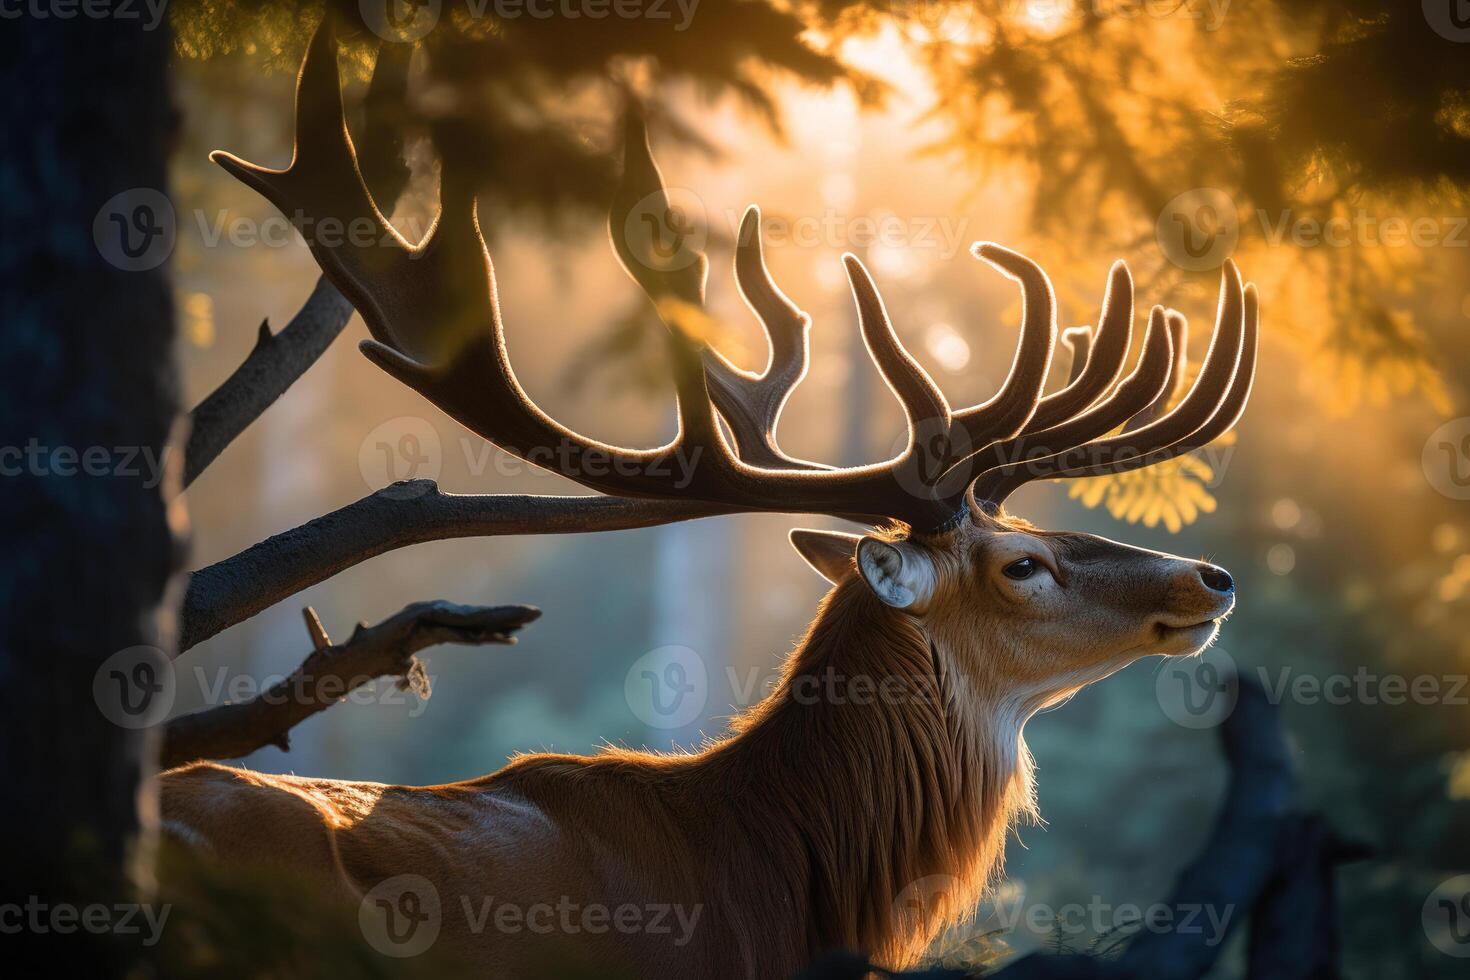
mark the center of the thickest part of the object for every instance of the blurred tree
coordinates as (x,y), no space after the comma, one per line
(86,333)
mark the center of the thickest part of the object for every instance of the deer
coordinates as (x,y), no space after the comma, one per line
(815,821)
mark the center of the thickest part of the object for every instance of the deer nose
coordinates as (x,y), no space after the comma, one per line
(1216,578)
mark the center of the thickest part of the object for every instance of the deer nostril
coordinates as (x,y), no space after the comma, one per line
(1216,578)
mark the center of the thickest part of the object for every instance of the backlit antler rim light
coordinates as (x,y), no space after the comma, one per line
(435,321)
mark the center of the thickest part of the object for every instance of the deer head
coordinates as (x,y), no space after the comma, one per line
(1057,609)
(1031,614)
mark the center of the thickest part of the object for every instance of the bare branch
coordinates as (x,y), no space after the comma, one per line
(233,590)
(330,673)
(273,365)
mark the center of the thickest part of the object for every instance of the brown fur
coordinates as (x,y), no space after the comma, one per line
(821,822)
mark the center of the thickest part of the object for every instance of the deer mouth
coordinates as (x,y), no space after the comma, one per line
(1180,639)
(1196,619)
(1170,629)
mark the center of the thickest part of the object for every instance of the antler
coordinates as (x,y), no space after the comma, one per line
(435,321)
(749,403)
(1210,408)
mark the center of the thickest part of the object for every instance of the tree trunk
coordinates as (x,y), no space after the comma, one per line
(86,325)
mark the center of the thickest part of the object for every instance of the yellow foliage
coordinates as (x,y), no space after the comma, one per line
(1173,492)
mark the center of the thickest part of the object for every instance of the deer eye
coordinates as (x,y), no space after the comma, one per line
(1019,569)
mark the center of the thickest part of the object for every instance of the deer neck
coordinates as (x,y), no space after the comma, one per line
(893,778)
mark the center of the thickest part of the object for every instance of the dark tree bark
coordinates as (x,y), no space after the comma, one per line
(87,400)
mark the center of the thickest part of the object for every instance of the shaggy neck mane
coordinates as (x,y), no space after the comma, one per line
(863,804)
(886,771)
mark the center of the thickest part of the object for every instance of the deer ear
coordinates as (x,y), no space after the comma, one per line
(898,573)
(831,553)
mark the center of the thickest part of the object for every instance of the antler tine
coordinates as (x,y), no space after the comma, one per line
(641,210)
(1223,382)
(322,192)
(1226,414)
(1007,413)
(1078,341)
(1101,363)
(923,403)
(1095,368)
(1008,462)
(1218,368)
(751,404)
(785,323)
(321,145)
(1179,335)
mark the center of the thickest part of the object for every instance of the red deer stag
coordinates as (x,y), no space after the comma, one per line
(799,831)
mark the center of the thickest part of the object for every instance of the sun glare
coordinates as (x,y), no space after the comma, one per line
(1044,16)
